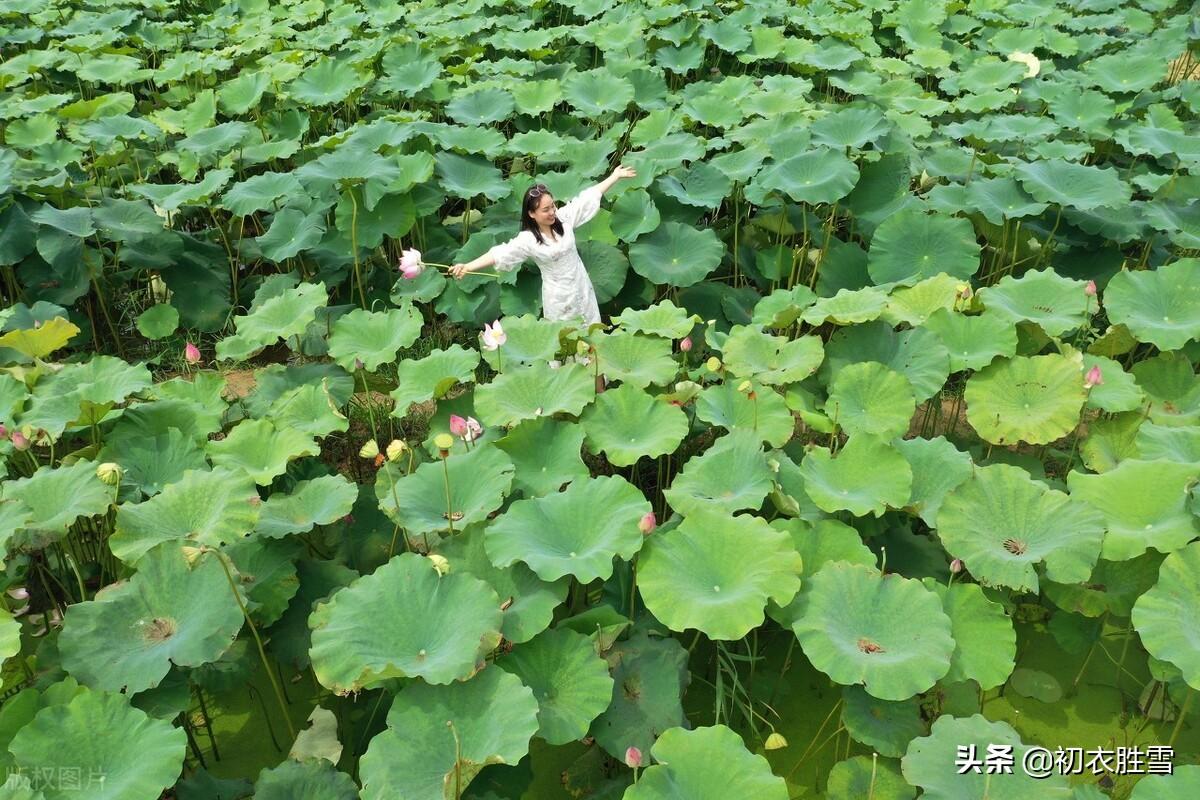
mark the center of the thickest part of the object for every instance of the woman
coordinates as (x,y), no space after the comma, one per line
(548,238)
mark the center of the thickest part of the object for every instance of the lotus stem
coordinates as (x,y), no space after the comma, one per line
(449,505)
(1187,703)
(212,738)
(457,759)
(874,766)
(1088,658)
(362,297)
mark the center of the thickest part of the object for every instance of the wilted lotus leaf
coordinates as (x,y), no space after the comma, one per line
(266,571)
(280,317)
(663,319)
(911,246)
(1144,504)
(766,413)
(1165,617)
(546,454)
(1172,387)
(260,449)
(150,463)
(202,508)
(1160,306)
(773,360)
(863,776)
(912,305)
(41,341)
(562,534)
(938,467)
(865,477)
(529,339)
(847,307)
(137,755)
(1118,392)
(626,423)
(929,763)
(985,644)
(412,610)
(1034,399)
(432,376)
(1001,523)
(886,726)
(304,780)
(1182,784)
(1044,297)
(886,632)
(818,543)
(439,737)
(783,307)
(373,337)
(730,476)
(52,499)
(716,573)
(538,390)
(973,341)
(916,354)
(571,683)
(1073,185)
(320,501)
(431,500)
(634,359)
(867,397)
(172,611)
(676,254)
(1113,587)
(706,764)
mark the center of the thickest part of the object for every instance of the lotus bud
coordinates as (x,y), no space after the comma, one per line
(956,566)
(410,264)
(685,344)
(443,442)
(358,364)
(110,473)
(1090,289)
(19,593)
(370,449)
(962,291)
(713,364)
(633,758)
(1093,377)
(20,441)
(191,353)
(647,523)
(775,742)
(458,426)
(439,563)
(926,181)
(396,449)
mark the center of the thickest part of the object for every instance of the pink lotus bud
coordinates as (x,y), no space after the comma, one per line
(1090,289)
(474,429)
(458,425)
(633,758)
(956,566)
(685,344)
(647,523)
(1093,377)
(20,441)
(411,273)
(191,353)
(410,258)
(493,336)
(358,364)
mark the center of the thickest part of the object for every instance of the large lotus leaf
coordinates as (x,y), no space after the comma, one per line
(650,675)
(535,391)
(597,91)
(870,398)
(911,246)
(1034,399)
(973,341)
(706,764)
(913,305)
(469,176)
(1073,185)
(171,611)
(847,307)
(1113,587)
(424,625)
(930,764)
(529,339)
(115,751)
(817,176)
(473,484)
(663,319)
(1182,784)
(1144,504)
(818,543)
(715,573)
(261,193)
(626,423)
(529,601)
(150,463)
(1172,388)
(306,780)
(290,637)
(373,337)
(865,477)
(439,737)
(783,307)
(571,683)
(774,360)
(561,534)
(283,316)
(1160,306)
(767,413)
(1165,616)
(432,376)
(83,393)
(41,341)
(320,501)
(886,726)
(732,475)
(985,644)
(863,776)
(916,354)
(1002,523)
(546,455)
(676,254)
(260,449)
(480,107)
(1118,391)
(1056,303)
(309,409)
(886,632)
(635,359)
(1169,443)
(701,185)
(202,508)
(938,467)
(267,570)
(54,498)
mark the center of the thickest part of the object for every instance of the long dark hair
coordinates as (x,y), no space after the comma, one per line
(533,196)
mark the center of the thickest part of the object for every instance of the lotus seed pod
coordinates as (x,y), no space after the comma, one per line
(370,449)
(110,472)
(713,364)
(396,449)
(443,442)
(439,563)
(775,742)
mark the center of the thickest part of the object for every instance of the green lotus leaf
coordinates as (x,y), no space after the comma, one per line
(701,185)
(280,317)
(304,780)
(818,176)
(320,501)
(1043,297)
(373,337)
(886,632)
(83,393)
(535,391)
(818,543)
(930,764)
(862,776)
(663,319)
(260,449)
(1172,389)
(732,475)
(1034,399)
(1113,587)
(172,611)
(1168,443)
(158,321)
(634,214)
(767,413)
(938,467)
(715,573)
(480,106)
(626,423)
(676,254)
(911,246)
(439,737)
(470,176)
(1001,199)
(598,91)
(865,477)
(151,463)
(852,127)
(202,508)
(171,196)
(408,69)
(650,675)
(1144,504)
(1180,222)
(886,726)
(309,409)
(571,683)
(432,376)
(1181,784)
(916,354)
(783,307)
(473,484)
(10,636)
(425,625)
(529,339)
(137,755)
(1073,185)
(1002,523)
(870,398)
(47,503)
(773,360)
(261,193)
(985,644)
(325,82)
(546,455)
(290,637)
(706,764)
(1160,306)
(267,570)
(560,534)
(973,341)
(847,307)
(634,359)
(291,232)
(530,601)
(913,305)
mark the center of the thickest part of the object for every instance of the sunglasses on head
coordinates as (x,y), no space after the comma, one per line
(539,190)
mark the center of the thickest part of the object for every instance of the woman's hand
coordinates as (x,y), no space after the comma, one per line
(624,172)
(458,271)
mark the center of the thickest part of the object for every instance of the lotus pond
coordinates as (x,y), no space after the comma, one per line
(896,467)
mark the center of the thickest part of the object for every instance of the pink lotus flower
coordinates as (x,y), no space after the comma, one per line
(191,353)
(1090,289)
(410,264)
(493,336)
(19,593)
(458,426)
(474,430)
(647,523)
(685,344)
(1093,377)
(633,758)
(20,441)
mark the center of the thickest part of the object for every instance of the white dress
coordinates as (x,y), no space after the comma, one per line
(567,290)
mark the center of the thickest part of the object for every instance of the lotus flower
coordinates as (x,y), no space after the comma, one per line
(1090,289)
(1032,64)
(633,758)
(647,523)
(474,429)
(685,344)
(1093,377)
(458,426)
(410,264)
(19,593)
(396,449)
(493,336)
(20,441)
(191,353)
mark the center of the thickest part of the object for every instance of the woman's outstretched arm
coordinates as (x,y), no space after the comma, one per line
(617,174)
(482,262)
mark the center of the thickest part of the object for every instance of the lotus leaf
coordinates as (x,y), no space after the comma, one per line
(449,495)
(886,726)
(916,354)
(649,677)
(309,409)
(83,393)
(529,339)
(730,476)
(304,780)
(151,463)
(535,391)
(1164,618)
(52,499)
(1113,587)
(260,449)
(1044,297)
(1172,389)
(1180,444)
(1073,185)
(663,319)
(821,175)
(985,644)
(911,246)
(290,635)
(634,214)
(1160,306)
(867,397)
(158,322)
(545,453)
(938,467)
(281,317)
(783,307)
(432,376)
(861,776)
(773,360)
(766,413)
(267,570)
(634,359)
(865,477)
(676,254)
(913,305)
(1035,399)
(626,423)
(1182,783)
(706,764)
(818,543)
(373,337)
